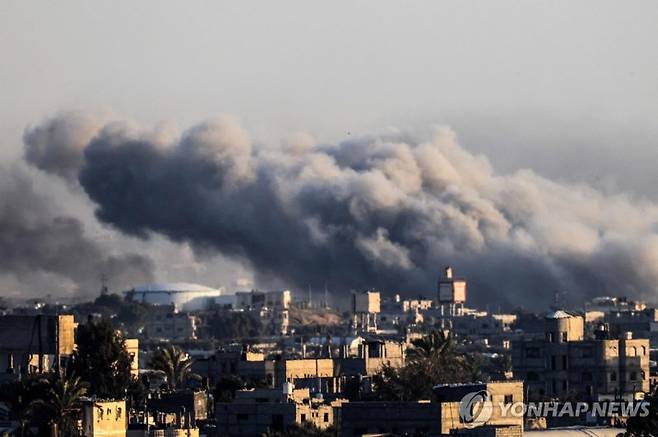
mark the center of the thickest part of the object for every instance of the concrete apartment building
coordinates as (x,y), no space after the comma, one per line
(500,393)
(318,374)
(164,322)
(254,300)
(254,412)
(35,343)
(564,363)
(273,307)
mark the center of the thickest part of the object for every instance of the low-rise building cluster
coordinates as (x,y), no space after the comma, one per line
(269,361)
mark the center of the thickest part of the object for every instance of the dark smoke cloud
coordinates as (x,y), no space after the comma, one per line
(56,145)
(384,211)
(36,239)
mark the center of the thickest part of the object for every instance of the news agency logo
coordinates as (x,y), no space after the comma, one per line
(475,408)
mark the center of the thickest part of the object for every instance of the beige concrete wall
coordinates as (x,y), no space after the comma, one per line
(66,334)
(450,419)
(308,368)
(105,418)
(132,347)
(193,432)
(321,416)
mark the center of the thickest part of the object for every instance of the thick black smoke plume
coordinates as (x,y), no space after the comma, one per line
(36,239)
(383,212)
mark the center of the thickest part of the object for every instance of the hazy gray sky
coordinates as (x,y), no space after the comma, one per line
(330,67)
(567,88)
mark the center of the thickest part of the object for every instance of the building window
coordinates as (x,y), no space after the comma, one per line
(643,375)
(632,352)
(613,376)
(564,336)
(326,417)
(302,418)
(564,362)
(549,337)
(508,399)
(633,376)
(553,362)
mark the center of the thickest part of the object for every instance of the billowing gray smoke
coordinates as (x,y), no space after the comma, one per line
(384,211)
(36,239)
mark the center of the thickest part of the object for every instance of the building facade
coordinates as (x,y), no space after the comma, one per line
(564,363)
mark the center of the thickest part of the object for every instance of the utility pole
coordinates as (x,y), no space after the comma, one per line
(104,289)
(326,297)
(310,296)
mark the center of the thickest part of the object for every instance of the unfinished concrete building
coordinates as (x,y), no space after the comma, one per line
(254,412)
(564,363)
(35,344)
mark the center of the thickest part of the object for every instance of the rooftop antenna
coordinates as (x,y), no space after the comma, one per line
(104,289)
(326,296)
(310,296)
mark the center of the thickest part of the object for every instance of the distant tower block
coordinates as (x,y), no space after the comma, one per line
(365,308)
(451,293)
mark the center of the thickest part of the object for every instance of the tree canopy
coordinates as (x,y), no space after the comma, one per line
(174,363)
(101,359)
(433,359)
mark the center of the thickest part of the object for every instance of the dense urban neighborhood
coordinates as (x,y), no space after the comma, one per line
(179,359)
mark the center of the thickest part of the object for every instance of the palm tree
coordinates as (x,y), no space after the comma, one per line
(432,345)
(433,359)
(174,363)
(20,395)
(62,399)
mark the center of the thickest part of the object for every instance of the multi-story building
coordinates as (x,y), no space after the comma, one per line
(323,374)
(35,343)
(255,300)
(254,412)
(166,322)
(564,363)
(273,307)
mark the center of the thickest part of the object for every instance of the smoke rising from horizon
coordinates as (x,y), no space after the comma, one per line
(48,250)
(383,211)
